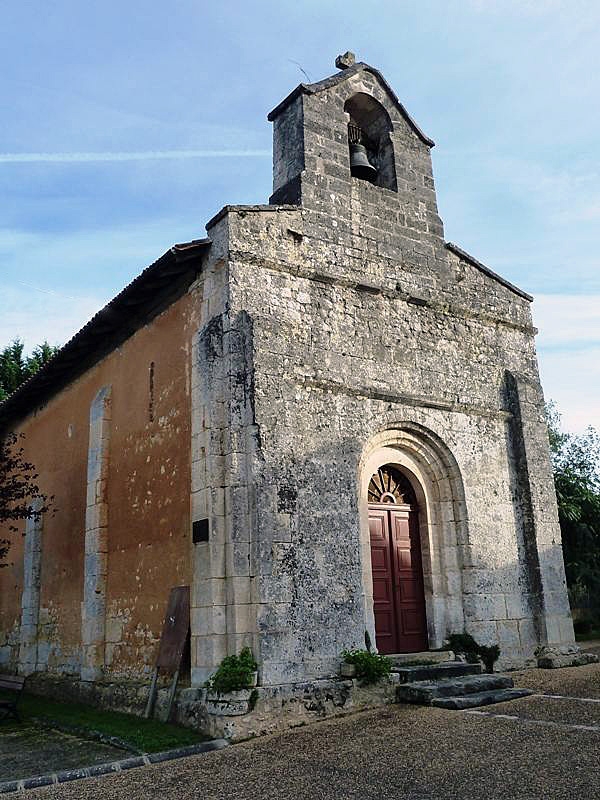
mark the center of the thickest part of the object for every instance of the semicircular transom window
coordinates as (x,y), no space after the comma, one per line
(389,485)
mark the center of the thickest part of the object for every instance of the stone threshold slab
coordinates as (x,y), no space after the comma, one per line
(426,657)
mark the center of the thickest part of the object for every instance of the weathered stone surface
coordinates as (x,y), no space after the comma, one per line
(480,698)
(93,608)
(277,708)
(455,669)
(556,657)
(421,659)
(30,599)
(348,59)
(424,692)
(365,329)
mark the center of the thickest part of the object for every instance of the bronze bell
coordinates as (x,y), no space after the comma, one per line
(360,166)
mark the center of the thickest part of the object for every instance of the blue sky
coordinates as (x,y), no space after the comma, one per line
(127,125)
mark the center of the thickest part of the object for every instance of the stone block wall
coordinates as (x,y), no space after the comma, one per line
(30,598)
(223,615)
(93,610)
(368,333)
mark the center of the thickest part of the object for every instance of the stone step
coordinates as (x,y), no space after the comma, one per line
(424,692)
(450,669)
(480,698)
(425,657)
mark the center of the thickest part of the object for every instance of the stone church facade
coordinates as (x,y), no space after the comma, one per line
(323,418)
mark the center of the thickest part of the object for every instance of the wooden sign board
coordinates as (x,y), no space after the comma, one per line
(175,629)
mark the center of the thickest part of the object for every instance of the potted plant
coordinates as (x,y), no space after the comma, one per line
(367,667)
(231,689)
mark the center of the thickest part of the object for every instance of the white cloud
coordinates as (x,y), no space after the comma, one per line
(565,320)
(569,355)
(80,273)
(572,380)
(35,315)
(109,256)
(144,155)
(563,194)
(534,8)
(583,212)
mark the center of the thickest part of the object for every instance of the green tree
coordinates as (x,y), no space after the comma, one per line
(18,489)
(576,463)
(16,368)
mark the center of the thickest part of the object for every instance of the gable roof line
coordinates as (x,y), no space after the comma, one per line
(153,290)
(339,77)
(454,248)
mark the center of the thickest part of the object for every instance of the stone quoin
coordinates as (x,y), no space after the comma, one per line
(346,405)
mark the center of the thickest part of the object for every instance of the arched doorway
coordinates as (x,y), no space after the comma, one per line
(396,563)
(434,476)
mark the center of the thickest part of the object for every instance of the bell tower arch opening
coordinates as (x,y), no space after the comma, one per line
(370,145)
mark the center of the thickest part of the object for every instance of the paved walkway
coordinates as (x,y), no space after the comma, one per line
(537,747)
(26,751)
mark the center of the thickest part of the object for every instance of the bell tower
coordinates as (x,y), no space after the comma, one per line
(347,151)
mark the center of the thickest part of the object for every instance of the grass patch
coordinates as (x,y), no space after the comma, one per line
(146,735)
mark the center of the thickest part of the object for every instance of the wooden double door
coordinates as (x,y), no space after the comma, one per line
(398,594)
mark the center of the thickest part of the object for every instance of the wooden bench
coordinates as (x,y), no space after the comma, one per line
(13,684)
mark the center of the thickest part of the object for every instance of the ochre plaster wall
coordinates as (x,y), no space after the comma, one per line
(148,498)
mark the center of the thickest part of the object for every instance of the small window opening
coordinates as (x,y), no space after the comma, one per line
(151,392)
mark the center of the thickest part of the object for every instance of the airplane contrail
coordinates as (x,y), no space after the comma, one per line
(50,291)
(27,158)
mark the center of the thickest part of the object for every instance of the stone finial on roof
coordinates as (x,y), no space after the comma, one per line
(345,61)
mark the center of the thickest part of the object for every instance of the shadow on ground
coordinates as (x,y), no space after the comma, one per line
(27,751)
(396,753)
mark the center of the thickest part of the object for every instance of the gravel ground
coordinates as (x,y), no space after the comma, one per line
(398,752)
(570,681)
(592,646)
